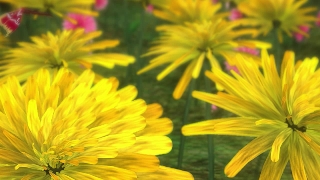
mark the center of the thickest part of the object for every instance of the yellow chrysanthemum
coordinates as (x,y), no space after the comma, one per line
(63,127)
(195,43)
(69,49)
(182,11)
(284,15)
(282,113)
(57,7)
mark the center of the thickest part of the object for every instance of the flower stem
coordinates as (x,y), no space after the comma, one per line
(207,84)
(276,49)
(126,38)
(184,121)
(139,51)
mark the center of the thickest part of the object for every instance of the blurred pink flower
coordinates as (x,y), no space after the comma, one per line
(318,20)
(235,14)
(149,8)
(101,4)
(299,37)
(88,23)
(214,1)
(229,67)
(248,50)
(214,108)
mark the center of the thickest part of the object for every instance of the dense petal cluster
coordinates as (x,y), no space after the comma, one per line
(181,11)
(281,111)
(72,49)
(196,43)
(57,7)
(282,15)
(63,127)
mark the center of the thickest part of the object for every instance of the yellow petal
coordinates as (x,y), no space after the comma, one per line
(256,147)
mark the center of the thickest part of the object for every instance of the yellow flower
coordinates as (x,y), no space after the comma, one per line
(281,112)
(57,7)
(70,49)
(283,15)
(63,127)
(194,44)
(181,11)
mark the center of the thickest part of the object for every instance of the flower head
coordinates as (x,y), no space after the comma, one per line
(88,23)
(281,15)
(57,7)
(64,127)
(101,4)
(181,11)
(195,44)
(281,111)
(69,49)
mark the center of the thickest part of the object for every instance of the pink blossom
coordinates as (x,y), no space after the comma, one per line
(214,108)
(101,4)
(214,1)
(248,50)
(318,20)
(88,23)
(230,67)
(299,37)
(149,8)
(235,14)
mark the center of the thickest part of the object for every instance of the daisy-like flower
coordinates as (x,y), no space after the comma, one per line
(194,44)
(69,49)
(281,15)
(57,7)
(281,112)
(88,23)
(181,11)
(63,127)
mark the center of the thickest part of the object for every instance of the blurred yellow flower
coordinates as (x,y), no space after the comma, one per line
(281,112)
(71,49)
(283,15)
(57,7)
(181,11)
(194,44)
(63,127)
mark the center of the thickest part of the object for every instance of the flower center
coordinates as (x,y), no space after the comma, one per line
(276,23)
(293,126)
(59,167)
(56,66)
